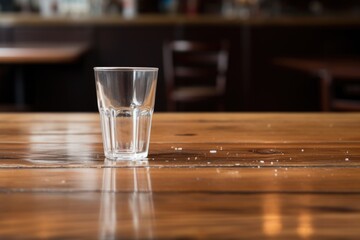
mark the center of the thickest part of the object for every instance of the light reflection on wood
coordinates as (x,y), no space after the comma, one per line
(305,228)
(272,222)
(138,206)
(275,176)
(107,216)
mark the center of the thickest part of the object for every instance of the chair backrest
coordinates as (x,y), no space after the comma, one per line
(194,63)
(340,85)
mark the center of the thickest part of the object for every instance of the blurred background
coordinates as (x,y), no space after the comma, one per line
(279,55)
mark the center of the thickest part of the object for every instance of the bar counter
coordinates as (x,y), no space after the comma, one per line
(208,176)
(158,19)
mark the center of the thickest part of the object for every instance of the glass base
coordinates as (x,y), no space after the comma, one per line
(126,156)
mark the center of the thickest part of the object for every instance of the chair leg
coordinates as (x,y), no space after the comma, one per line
(19,87)
(326,90)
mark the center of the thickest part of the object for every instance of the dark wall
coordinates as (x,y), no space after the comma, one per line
(255,83)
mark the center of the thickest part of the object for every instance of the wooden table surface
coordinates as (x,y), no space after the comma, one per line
(348,68)
(21,54)
(27,53)
(208,176)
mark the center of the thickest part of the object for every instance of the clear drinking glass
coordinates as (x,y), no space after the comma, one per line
(126,98)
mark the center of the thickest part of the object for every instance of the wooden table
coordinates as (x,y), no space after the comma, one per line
(341,70)
(20,54)
(217,176)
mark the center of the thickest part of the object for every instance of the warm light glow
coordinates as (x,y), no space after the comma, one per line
(45,226)
(272,225)
(305,228)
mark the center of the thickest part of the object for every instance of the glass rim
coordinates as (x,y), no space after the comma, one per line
(150,69)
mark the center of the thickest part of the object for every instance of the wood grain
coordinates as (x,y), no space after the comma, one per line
(180,216)
(208,176)
(183,180)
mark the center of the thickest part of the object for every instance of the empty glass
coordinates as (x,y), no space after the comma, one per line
(126,98)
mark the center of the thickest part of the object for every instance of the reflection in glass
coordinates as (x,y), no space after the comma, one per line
(126,201)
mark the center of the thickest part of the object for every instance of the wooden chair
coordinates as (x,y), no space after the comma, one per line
(340,86)
(195,72)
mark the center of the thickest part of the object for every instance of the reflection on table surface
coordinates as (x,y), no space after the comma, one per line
(136,207)
(217,176)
